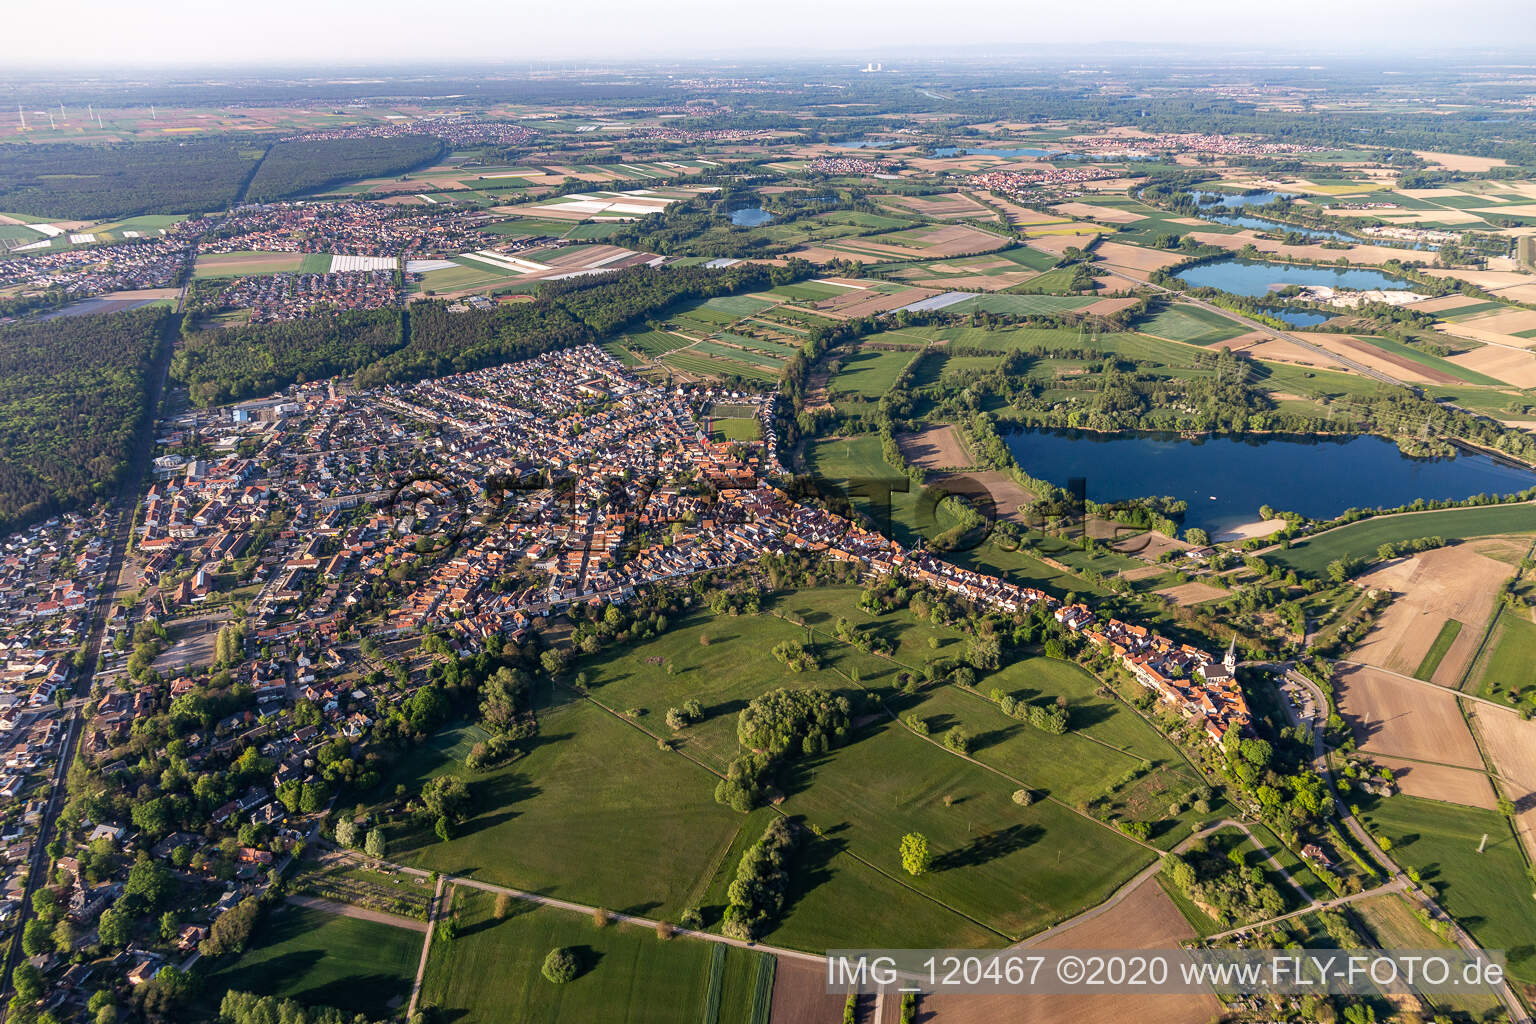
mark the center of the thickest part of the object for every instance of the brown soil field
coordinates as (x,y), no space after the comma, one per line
(1056,244)
(1390,716)
(1186,594)
(1517,293)
(1517,369)
(1141,572)
(1258,345)
(800,996)
(1478,334)
(1398,366)
(1511,746)
(993,485)
(1510,322)
(935,448)
(261,262)
(1456,582)
(957,239)
(1443,303)
(1107,214)
(1104,307)
(942,207)
(1019,215)
(1440,782)
(1492,280)
(1145,919)
(1458,162)
(866,302)
(1150,545)
(1134,257)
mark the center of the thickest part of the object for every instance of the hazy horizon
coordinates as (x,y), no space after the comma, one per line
(285,33)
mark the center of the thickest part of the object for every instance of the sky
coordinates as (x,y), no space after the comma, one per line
(354,32)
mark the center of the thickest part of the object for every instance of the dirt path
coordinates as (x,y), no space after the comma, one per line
(361,913)
(426,945)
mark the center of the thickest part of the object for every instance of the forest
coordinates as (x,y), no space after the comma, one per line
(228,364)
(88,182)
(300,167)
(73,393)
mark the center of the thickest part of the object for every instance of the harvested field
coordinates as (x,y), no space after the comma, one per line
(1150,545)
(1444,303)
(1398,366)
(935,448)
(1145,919)
(1391,715)
(869,301)
(1511,746)
(1107,214)
(1458,162)
(1456,582)
(1258,345)
(1464,786)
(1134,258)
(800,994)
(1104,307)
(1186,594)
(991,485)
(1517,369)
(950,206)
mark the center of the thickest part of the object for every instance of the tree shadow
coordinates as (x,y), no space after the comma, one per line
(992,737)
(989,847)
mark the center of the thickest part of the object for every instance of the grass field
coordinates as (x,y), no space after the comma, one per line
(1485,891)
(321,958)
(1191,324)
(869,373)
(1509,663)
(1360,540)
(541,824)
(736,428)
(1438,650)
(491,971)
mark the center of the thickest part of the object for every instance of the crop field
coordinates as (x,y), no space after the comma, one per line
(731,361)
(1023,305)
(239,264)
(490,971)
(1193,325)
(1441,841)
(1360,540)
(321,958)
(739,355)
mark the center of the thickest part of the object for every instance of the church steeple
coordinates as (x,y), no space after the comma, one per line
(1230,661)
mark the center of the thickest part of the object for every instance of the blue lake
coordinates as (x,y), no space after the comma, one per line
(1258,277)
(750,216)
(1298,317)
(943,151)
(866,144)
(1213,207)
(1226,479)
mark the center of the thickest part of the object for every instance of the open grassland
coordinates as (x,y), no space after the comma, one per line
(1360,540)
(490,972)
(1485,891)
(868,372)
(1507,670)
(1191,324)
(321,958)
(540,824)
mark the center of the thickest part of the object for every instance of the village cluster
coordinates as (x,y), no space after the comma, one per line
(286,296)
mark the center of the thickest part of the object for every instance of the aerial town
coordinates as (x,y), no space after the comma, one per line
(574,544)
